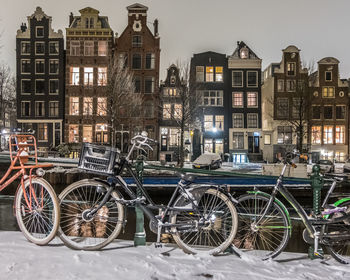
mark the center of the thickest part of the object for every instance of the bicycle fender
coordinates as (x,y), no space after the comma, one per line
(284,208)
(219,188)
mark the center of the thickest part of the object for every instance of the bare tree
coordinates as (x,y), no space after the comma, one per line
(123,104)
(185,115)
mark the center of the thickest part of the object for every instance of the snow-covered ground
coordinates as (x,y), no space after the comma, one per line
(23,260)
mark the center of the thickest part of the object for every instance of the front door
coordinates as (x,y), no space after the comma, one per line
(256,144)
(250,144)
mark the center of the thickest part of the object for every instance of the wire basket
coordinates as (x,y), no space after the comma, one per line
(98,159)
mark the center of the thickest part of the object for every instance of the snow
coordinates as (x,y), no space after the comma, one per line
(23,260)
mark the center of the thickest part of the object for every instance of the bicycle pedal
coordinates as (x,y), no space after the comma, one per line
(318,255)
(158,245)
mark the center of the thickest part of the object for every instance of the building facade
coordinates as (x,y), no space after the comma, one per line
(210,72)
(140,48)
(329,135)
(243,104)
(89,42)
(40,79)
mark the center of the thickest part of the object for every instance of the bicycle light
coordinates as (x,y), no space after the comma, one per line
(40,172)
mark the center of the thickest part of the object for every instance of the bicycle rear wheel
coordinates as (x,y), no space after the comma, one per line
(266,239)
(81,233)
(340,249)
(209,228)
(38,218)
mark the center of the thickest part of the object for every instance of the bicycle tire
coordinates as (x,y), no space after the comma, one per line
(79,234)
(221,214)
(39,221)
(268,239)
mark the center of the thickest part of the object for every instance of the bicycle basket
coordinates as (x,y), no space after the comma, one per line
(98,159)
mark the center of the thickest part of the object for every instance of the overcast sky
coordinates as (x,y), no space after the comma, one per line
(318,27)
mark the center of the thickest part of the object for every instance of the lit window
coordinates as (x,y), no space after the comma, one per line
(252,99)
(238,140)
(267,139)
(101,133)
(316,135)
(291,69)
(252,120)
(252,78)
(87,106)
(102,48)
(219,122)
(209,74)
(200,73)
(88,76)
(237,78)
(74,76)
(53,108)
(212,98)
(102,76)
(177,111)
(42,131)
(328,92)
(340,134)
(244,53)
(328,134)
(101,106)
(74,133)
(74,106)
(219,76)
(282,107)
(87,133)
(150,61)
(284,135)
(74,48)
(166,111)
(208,122)
(237,121)
(340,156)
(53,87)
(296,109)
(89,48)
(237,99)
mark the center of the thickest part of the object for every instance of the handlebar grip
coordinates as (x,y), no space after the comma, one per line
(294,165)
(304,157)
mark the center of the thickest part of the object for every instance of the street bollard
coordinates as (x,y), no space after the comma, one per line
(316,185)
(140,234)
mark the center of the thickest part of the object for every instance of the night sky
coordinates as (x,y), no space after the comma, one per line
(318,27)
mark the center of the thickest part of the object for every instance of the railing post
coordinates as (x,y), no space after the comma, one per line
(140,234)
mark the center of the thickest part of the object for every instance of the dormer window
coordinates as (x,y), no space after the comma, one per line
(244,53)
(291,69)
(328,76)
(89,23)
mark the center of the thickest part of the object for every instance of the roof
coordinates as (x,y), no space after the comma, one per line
(329,60)
(241,45)
(290,49)
(137,7)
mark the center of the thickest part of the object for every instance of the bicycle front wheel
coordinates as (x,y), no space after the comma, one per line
(209,227)
(37,211)
(79,232)
(267,238)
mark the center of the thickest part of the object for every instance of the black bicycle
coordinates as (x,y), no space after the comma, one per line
(199,217)
(265,224)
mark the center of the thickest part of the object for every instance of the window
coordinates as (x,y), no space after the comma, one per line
(89,23)
(252,78)
(238,140)
(25,66)
(252,120)
(328,134)
(296,109)
(26,87)
(237,121)
(166,111)
(316,135)
(200,73)
(213,97)
(102,76)
(328,76)
(39,108)
(42,131)
(54,86)
(25,48)
(75,48)
(219,76)
(102,48)
(340,134)
(53,47)
(53,66)
(340,112)
(148,109)
(340,156)
(237,79)
(174,137)
(102,106)
(267,139)
(137,84)
(88,76)
(316,112)
(282,107)
(25,108)
(101,133)
(177,111)
(136,61)
(290,85)
(87,106)
(53,108)
(328,92)
(244,53)
(209,74)
(39,66)
(291,69)
(39,47)
(136,41)
(74,76)
(39,86)
(280,85)
(284,135)
(208,122)
(150,60)
(74,133)
(237,99)
(74,106)
(328,112)
(39,32)
(149,84)
(252,99)
(89,48)
(87,133)
(219,122)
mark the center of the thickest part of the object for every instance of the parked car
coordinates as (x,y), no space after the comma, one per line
(347,166)
(326,166)
(209,161)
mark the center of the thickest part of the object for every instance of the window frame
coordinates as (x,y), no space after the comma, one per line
(37,109)
(29,108)
(37,43)
(240,124)
(58,47)
(58,87)
(76,48)
(35,90)
(256,120)
(257,78)
(36,31)
(233,99)
(30,47)
(58,66)
(56,109)
(242,82)
(26,93)
(256,99)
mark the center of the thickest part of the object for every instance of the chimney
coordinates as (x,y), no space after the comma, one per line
(71,18)
(23,27)
(155,25)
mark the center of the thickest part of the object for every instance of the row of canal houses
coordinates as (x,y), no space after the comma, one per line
(245,112)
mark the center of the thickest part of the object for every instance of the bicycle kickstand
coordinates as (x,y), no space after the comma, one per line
(317,253)
(158,244)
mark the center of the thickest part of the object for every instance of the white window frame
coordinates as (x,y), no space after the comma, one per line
(100,44)
(22,102)
(40,60)
(76,47)
(58,67)
(36,31)
(257,78)
(36,93)
(257,120)
(233,100)
(30,45)
(58,89)
(58,108)
(58,45)
(256,98)
(233,120)
(36,45)
(26,59)
(36,109)
(88,46)
(242,79)
(24,93)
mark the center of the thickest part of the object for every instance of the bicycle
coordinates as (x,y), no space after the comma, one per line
(199,217)
(36,205)
(265,224)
